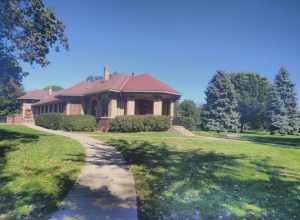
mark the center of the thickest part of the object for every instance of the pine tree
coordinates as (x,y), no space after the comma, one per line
(277,113)
(220,111)
(286,91)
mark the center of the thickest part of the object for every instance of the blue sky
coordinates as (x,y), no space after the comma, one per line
(182,43)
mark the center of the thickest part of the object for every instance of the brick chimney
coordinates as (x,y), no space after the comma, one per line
(106,74)
(50,91)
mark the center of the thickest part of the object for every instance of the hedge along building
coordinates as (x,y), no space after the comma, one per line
(114,95)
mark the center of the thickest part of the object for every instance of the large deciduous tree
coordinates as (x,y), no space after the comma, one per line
(284,88)
(53,87)
(220,111)
(252,95)
(28,31)
(11,76)
(189,114)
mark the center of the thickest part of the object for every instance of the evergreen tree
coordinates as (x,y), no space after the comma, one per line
(220,111)
(286,92)
(277,113)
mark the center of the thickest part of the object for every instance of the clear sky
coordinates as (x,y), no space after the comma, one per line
(182,43)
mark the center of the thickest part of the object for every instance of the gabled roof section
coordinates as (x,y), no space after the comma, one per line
(90,87)
(35,95)
(147,83)
(50,99)
(120,83)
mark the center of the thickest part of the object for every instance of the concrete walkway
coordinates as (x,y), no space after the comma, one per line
(104,190)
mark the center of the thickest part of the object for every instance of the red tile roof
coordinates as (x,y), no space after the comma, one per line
(90,87)
(118,83)
(146,83)
(35,95)
(50,99)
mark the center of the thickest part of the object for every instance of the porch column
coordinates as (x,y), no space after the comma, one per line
(130,106)
(82,112)
(112,108)
(172,108)
(68,108)
(157,107)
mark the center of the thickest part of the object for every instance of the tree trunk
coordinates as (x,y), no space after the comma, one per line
(242,127)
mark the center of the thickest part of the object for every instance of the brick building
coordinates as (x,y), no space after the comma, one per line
(114,95)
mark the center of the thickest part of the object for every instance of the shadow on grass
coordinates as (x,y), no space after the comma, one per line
(22,137)
(288,142)
(182,184)
(98,203)
(34,196)
(10,141)
(32,199)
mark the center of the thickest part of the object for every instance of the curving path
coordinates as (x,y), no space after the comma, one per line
(105,188)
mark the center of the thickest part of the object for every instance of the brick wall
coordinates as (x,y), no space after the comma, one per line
(75,109)
(15,119)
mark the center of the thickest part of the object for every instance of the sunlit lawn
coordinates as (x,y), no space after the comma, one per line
(36,171)
(210,178)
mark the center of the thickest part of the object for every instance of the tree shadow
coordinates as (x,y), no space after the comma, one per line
(196,184)
(9,142)
(22,137)
(31,196)
(286,142)
(87,203)
(34,196)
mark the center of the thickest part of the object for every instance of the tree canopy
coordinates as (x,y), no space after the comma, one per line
(189,114)
(282,106)
(252,95)
(276,113)
(91,78)
(28,30)
(220,111)
(53,87)
(10,84)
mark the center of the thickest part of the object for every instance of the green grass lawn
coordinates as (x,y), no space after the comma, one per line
(36,171)
(184,178)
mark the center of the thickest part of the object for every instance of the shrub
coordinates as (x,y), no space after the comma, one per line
(57,121)
(126,124)
(79,123)
(187,122)
(156,123)
(139,123)
(50,120)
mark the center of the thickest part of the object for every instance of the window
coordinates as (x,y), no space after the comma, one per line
(166,107)
(143,107)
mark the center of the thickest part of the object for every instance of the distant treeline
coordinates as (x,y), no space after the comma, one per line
(245,101)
